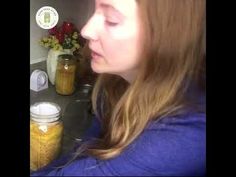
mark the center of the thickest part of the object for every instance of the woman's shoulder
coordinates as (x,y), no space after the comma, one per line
(190,120)
(183,130)
(173,145)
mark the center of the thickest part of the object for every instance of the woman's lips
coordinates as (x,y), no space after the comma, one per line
(95,55)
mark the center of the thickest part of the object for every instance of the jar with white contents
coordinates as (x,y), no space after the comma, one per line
(46,129)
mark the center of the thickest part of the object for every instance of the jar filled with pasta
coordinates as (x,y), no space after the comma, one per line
(65,74)
(46,130)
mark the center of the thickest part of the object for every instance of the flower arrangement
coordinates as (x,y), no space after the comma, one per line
(63,37)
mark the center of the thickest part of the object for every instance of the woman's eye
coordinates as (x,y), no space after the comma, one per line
(110,23)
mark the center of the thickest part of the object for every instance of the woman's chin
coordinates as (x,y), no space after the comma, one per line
(96,68)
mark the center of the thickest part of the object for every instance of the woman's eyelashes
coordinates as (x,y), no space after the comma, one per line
(111,23)
(111,20)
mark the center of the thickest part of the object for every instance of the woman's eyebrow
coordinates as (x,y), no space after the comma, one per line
(110,7)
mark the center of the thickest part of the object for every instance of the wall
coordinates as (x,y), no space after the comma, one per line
(76,11)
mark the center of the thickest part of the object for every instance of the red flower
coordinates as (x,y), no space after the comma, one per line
(67,27)
(53,31)
(60,36)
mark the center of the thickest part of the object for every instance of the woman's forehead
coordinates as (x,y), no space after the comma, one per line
(122,6)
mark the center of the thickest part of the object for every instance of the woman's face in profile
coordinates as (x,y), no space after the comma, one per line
(114,37)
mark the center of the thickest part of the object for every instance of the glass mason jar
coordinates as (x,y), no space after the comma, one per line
(52,62)
(65,74)
(46,131)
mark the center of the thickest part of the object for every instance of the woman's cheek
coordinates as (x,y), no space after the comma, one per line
(119,32)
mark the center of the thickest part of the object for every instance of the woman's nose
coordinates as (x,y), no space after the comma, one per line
(89,31)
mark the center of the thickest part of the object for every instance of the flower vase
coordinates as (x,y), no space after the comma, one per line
(52,63)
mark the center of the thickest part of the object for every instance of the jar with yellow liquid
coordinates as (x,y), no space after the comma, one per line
(46,130)
(65,74)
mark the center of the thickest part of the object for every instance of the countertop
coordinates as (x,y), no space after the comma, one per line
(76,108)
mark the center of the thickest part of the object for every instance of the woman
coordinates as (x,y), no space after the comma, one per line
(149,98)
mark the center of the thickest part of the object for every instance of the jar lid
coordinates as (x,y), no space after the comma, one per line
(45,112)
(66,59)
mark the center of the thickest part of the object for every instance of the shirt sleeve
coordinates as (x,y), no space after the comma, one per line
(173,147)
